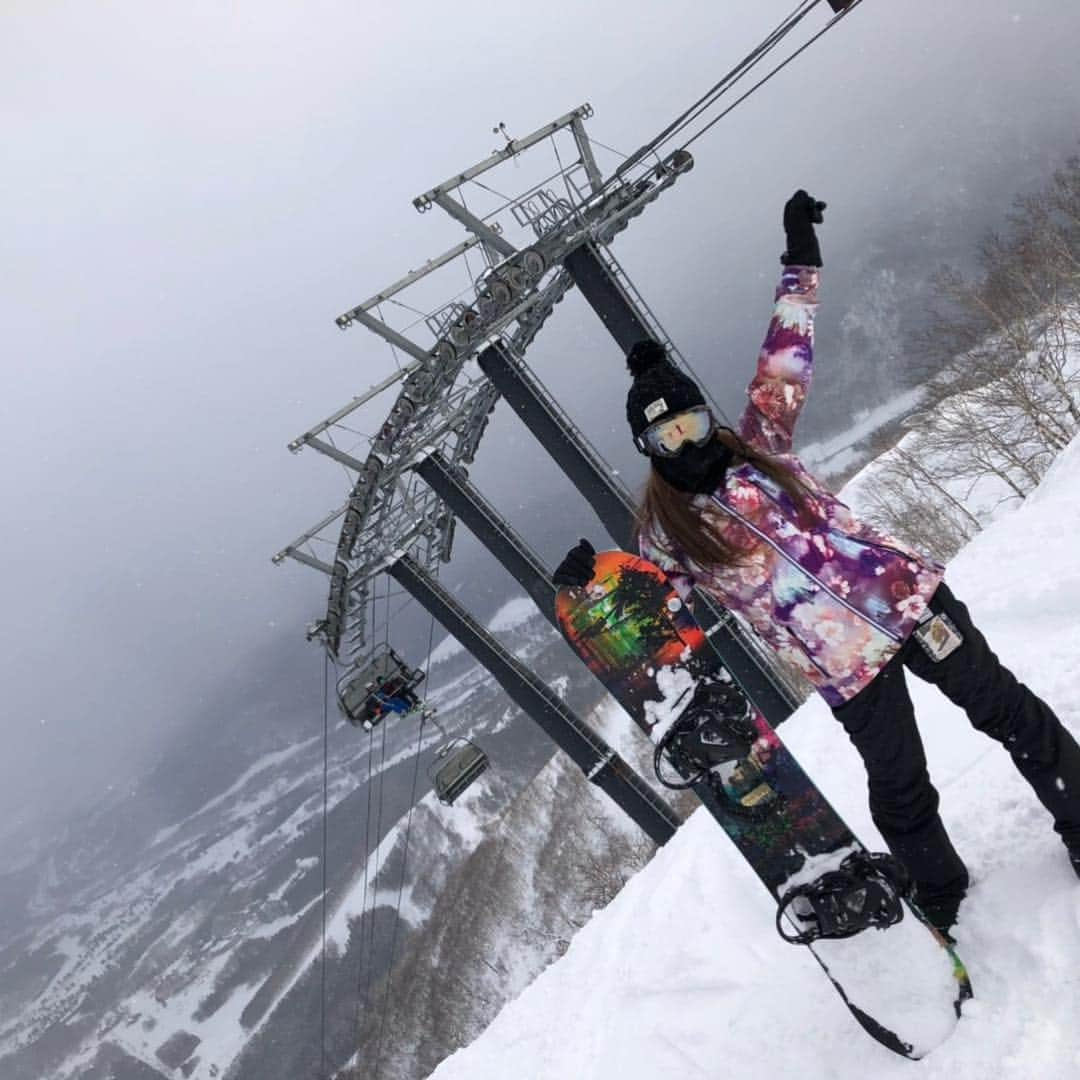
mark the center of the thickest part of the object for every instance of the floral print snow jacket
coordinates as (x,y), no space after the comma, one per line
(832,595)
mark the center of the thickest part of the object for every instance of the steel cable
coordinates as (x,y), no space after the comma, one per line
(404,861)
(711,96)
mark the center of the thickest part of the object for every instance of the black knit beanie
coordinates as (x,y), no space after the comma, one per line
(659,389)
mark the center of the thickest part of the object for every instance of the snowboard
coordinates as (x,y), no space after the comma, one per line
(905,984)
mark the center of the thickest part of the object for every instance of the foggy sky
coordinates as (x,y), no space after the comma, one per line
(192,192)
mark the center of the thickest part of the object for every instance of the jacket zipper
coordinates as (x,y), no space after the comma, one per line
(817,581)
(905,555)
(862,540)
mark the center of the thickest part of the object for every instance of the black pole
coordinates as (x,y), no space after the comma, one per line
(562,441)
(606,297)
(600,764)
(491,529)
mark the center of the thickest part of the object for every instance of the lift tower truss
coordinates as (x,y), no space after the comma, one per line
(462,354)
(444,400)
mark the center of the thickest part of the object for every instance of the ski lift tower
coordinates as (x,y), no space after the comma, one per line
(410,480)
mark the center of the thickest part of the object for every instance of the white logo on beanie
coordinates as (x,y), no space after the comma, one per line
(655,409)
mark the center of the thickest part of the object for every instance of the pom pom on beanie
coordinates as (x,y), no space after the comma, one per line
(644,355)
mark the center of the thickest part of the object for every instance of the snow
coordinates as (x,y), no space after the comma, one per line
(676,684)
(512,614)
(224,836)
(467,822)
(269,761)
(217,1034)
(833,455)
(448,647)
(677,976)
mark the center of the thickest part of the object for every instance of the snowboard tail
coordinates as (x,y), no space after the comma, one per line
(905,984)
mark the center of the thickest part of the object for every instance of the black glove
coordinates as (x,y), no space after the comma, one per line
(801,214)
(578,566)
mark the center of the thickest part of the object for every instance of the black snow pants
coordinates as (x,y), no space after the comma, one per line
(880,720)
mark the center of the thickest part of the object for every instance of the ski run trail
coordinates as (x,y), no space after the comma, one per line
(683,975)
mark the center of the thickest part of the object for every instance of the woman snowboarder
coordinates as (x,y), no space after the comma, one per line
(739,516)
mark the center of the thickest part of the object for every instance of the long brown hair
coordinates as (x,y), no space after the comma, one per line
(674,512)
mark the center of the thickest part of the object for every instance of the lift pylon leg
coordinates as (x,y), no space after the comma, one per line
(606,297)
(562,441)
(490,528)
(601,765)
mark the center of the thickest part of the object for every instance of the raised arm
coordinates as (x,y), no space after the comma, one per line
(785,364)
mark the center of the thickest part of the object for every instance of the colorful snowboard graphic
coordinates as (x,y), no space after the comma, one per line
(904,985)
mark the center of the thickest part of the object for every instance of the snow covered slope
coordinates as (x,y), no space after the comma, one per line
(190,947)
(684,968)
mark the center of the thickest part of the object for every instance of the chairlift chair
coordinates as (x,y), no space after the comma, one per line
(463,762)
(381,684)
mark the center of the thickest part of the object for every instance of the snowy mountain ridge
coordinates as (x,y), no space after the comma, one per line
(175,960)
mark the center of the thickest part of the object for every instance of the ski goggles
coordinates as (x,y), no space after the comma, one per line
(667,437)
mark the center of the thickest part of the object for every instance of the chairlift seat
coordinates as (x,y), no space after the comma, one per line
(364,689)
(465,763)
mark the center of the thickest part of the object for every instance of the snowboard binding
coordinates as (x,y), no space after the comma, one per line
(712,741)
(865,891)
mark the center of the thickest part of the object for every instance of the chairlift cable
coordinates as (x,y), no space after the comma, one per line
(377,627)
(710,97)
(779,67)
(363,984)
(325,820)
(404,859)
(380,798)
(750,61)
(375,871)
(707,100)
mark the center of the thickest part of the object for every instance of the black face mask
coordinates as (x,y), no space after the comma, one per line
(696,469)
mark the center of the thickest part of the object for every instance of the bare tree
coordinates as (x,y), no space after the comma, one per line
(1000,359)
(605,857)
